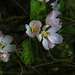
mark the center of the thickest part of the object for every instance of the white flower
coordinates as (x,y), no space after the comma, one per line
(45,0)
(4,57)
(55,6)
(53,21)
(50,38)
(33,28)
(5,45)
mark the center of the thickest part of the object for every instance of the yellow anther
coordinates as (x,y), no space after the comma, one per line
(33,28)
(45,34)
(1,46)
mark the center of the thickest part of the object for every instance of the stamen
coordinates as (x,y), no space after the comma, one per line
(45,34)
(33,28)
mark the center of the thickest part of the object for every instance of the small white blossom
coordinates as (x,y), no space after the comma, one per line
(33,28)
(45,0)
(50,38)
(6,46)
(55,5)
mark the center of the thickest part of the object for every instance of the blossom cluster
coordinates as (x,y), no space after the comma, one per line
(48,34)
(6,47)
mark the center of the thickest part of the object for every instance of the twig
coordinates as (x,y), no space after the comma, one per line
(20,6)
(50,55)
(1,18)
(35,69)
(67,18)
(63,50)
(70,24)
(21,67)
(49,63)
(15,17)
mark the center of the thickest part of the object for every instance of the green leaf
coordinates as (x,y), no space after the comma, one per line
(34,9)
(1,72)
(42,10)
(37,10)
(30,51)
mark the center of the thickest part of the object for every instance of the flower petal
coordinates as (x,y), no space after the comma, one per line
(7,39)
(32,23)
(10,48)
(55,38)
(39,37)
(1,38)
(50,45)
(4,57)
(29,31)
(51,30)
(45,0)
(55,5)
(45,43)
(45,27)
(3,51)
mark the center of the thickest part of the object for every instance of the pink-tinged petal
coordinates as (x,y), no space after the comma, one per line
(37,25)
(55,13)
(32,23)
(50,45)
(28,32)
(51,30)
(4,57)
(7,39)
(39,37)
(56,38)
(53,21)
(10,48)
(51,39)
(45,43)
(45,27)
(58,27)
(52,14)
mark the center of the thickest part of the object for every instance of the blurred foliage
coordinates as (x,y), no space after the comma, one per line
(30,57)
(30,51)
(37,10)
(1,72)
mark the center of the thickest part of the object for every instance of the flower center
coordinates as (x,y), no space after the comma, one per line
(33,29)
(1,46)
(45,34)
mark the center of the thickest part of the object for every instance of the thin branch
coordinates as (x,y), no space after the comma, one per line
(56,61)
(21,67)
(67,18)
(15,17)
(1,18)
(70,24)
(20,6)
(50,55)
(63,50)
